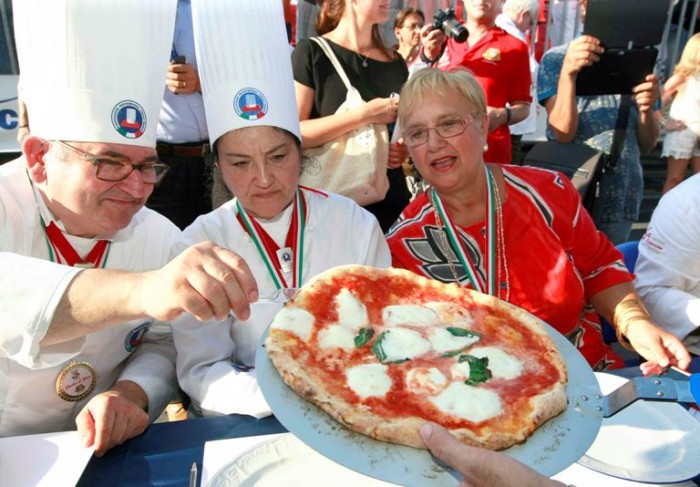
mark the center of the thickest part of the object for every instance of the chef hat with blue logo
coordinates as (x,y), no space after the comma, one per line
(245,65)
(94,70)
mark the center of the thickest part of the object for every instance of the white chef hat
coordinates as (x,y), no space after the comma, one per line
(94,70)
(245,65)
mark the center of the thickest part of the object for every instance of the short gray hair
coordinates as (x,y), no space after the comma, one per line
(517,6)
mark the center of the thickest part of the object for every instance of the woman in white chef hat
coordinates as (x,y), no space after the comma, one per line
(286,233)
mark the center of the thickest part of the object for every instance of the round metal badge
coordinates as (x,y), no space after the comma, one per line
(76,381)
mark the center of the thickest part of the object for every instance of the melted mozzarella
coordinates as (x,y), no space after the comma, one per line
(352,314)
(451,313)
(368,380)
(402,343)
(336,336)
(408,314)
(444,341)
(298,321)
(423,380)
(502,364)
(471,403)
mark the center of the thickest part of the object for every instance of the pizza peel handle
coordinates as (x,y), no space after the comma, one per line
(649,388)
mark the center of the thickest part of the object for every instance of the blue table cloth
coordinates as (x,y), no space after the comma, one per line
(164,453)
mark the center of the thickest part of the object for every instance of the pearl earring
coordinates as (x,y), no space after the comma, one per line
(485,147)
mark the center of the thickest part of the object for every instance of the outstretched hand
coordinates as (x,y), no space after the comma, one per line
(205,280)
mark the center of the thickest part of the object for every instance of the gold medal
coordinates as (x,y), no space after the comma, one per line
(76,381)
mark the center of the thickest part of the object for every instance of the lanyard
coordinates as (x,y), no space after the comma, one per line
(274,257)
(61,250)
(458,247)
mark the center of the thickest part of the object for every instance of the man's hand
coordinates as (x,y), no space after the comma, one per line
(582,52)
(205,280)
(480,467)
(182,79)
(432,41)
(646,94)
(113,417)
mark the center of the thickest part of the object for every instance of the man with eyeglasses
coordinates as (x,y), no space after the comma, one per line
(82,260)
(499,62)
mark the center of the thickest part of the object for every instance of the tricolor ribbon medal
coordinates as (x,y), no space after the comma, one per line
(458,247)
(62,252)
(280,261)
(76,381)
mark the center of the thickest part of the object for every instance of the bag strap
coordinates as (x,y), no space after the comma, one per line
(618,141)
(334,60)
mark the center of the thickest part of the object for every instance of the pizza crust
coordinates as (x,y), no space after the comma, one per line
(293,360)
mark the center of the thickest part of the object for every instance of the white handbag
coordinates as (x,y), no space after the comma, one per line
(354,164)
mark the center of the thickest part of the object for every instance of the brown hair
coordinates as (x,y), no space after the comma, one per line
(402,14)
(329,16)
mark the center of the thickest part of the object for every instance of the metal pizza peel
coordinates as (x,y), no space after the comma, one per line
(554,446)
(647,388)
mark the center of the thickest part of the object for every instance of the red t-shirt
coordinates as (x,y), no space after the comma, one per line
(555,259)
(501,64)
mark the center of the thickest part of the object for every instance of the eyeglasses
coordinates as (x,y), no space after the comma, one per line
(114,170)
(413,26)
(450,127)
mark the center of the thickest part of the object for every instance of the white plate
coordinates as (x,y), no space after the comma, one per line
(551,448)
(287,461)
(648,441)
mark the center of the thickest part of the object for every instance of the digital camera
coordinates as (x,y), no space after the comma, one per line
(445,19)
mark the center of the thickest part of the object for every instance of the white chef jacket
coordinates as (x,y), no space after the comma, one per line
(31,288)
(668,268)
(211,355)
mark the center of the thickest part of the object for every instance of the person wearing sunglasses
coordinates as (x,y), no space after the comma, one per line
(82,283)
(517,233)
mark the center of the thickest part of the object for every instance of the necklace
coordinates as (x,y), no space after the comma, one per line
(495,245)
(364,60)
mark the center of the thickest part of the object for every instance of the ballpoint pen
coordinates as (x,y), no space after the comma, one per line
(193,475)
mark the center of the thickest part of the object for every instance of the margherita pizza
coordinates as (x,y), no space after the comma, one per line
(384,351)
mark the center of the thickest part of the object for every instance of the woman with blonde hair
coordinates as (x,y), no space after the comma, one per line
(351,28)
(514,232)
(682,91)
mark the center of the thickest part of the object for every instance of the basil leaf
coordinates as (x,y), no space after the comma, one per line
(478,369)
(454,353)
(462,332)
(364,337)
(377,347)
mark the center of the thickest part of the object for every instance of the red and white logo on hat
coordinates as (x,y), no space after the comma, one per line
(250,104)
(129,119)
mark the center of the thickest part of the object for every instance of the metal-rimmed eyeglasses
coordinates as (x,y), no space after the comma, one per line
(450,127)
(114,170)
